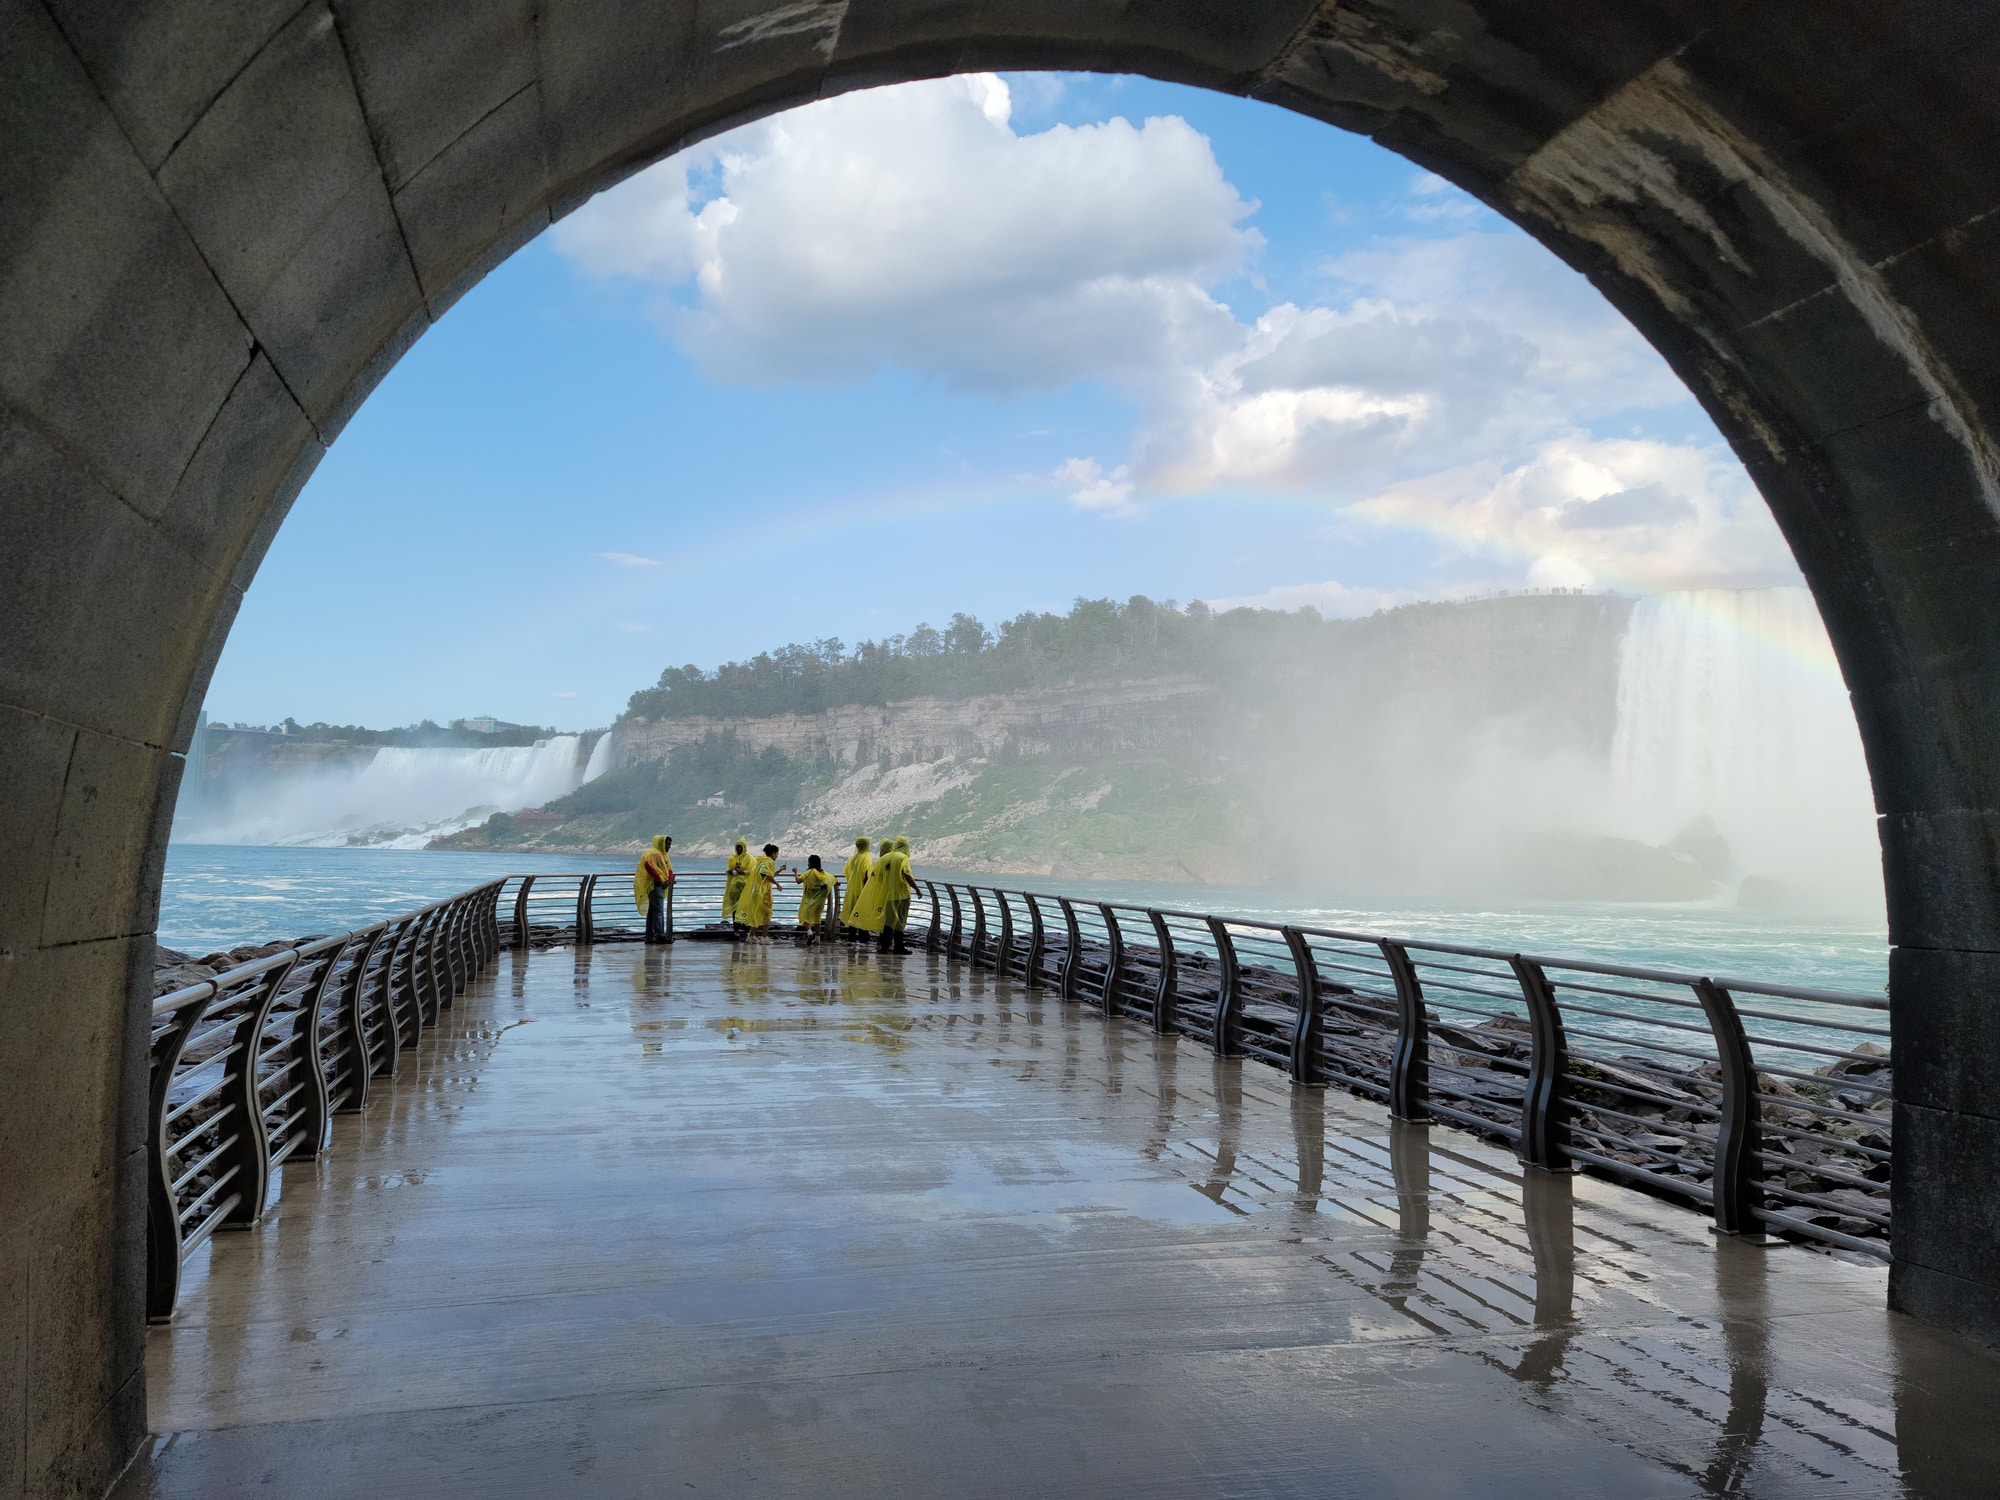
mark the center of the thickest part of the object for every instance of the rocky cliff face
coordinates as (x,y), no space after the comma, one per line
(1172,716)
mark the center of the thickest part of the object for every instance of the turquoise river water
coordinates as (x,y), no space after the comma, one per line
(220,895)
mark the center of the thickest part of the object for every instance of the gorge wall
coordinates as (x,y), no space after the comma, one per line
(1082,721)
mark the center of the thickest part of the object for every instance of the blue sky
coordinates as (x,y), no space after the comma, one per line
(981,345)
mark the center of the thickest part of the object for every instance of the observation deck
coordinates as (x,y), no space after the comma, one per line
(766,1219)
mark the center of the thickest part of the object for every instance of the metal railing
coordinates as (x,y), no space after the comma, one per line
(249,1068)
(1767,1105)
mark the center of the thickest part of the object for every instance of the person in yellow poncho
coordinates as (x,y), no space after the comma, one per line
(650,884)
(856,876)
(885,901)
(753,907)
(896,897)
(815,885)
(736,874)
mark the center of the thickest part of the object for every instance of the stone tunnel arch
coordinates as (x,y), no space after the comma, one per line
(218,230)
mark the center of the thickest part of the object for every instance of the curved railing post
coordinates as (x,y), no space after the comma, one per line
(1114,965)
(493,919)
(437,991)
(163,1215)
(399,985)
(353,1024)
(586,932)
(1410,1063)
(1038,941)
(1738,1181)
(1072,963)
(316,1114)
(521,912)
(978,924)
(1303,1063)
(932,933)
(955,942)
(253,1147)
(1228,992)
(1166,998)
(1543,1133)
(1005,958)
(460,961)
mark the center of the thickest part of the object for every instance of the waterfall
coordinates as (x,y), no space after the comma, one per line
(1731,706)
(600,757)
(397,798)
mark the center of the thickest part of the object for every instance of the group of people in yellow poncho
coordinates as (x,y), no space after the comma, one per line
(877,897)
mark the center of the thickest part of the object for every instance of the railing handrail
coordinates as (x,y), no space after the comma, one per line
(266,1071)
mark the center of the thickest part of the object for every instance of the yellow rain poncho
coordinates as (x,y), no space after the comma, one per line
(856,876)
(813,888)
(655,871)
(887,886)
(737,873)
(753,906)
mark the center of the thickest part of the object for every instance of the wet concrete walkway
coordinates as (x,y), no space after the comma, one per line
(703,1221)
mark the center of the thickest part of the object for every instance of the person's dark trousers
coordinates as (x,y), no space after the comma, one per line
(898,921)
(656,916)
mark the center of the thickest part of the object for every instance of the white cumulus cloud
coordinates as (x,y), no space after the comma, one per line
(1437,382)
(1624,513)
(913,226)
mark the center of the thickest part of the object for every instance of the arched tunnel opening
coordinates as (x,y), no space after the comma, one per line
(218,241)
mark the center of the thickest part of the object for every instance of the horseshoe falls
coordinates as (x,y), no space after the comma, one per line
(1731,709)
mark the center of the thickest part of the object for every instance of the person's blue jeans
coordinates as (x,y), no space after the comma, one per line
(656,915)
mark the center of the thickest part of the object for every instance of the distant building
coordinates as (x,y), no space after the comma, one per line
(485,724)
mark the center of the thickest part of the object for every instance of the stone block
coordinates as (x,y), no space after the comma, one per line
(1859,123)
(117,799)
(1941,874)
(34,759)
(246,465)
(159,63)
(102,629)
(63,1019)
(119,342)
(1945,1009)
(678,74)
(86,1353)
(1790,353)
(14,1259)
(1967,1307)
(1211,42)
(320,273)
(381,359)
(1946,1217)
(488,187)
(428,74)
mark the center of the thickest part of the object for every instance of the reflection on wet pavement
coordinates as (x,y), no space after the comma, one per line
(766,1220)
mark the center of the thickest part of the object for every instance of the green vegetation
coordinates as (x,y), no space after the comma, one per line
(1097,639)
